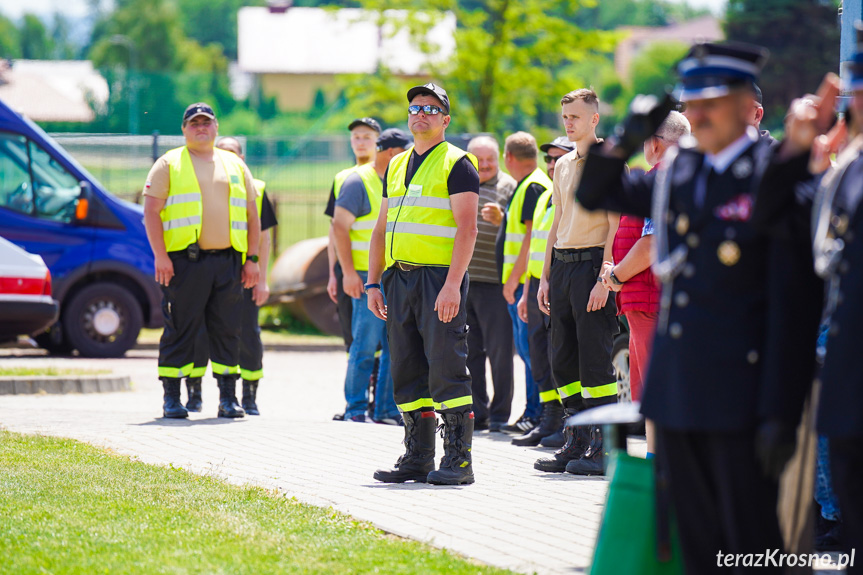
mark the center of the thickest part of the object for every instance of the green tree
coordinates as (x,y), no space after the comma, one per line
(505,50)
(652,71)
(35,42)
(803,39)
(10,43)
(63,48)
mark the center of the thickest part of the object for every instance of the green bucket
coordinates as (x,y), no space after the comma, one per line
(627,536)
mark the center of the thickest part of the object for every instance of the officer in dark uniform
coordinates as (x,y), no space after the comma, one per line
(704,388)
(838,257)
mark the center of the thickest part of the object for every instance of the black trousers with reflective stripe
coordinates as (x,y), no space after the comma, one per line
(581,341)
(428,358)
(537,337)
(203,295)
(251,348)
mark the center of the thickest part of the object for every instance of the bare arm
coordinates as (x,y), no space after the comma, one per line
(261,292)
(332,289)
(251,270)
(464,209)
(342,222)
(153,225)
(377,262)
(519,267)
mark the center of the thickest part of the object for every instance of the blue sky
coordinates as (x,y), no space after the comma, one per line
(78,8)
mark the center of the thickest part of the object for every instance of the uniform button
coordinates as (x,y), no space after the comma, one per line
(688,270)
(730,233)
(675,330)
(692,241)
(681,299)
(752,357)
(843,267)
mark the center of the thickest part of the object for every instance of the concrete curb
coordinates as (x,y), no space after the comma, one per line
(57,384)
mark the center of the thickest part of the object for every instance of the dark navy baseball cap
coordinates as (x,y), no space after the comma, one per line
(713,70)
(393,138)
(431,90)
(198,109)
(370,122)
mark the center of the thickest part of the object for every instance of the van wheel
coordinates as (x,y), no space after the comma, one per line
(620,360)
(102,320)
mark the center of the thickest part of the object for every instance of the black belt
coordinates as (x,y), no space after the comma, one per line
(570,256)
(407,267)
(217,252)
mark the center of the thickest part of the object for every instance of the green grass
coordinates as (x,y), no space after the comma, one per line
(70,508)
(49,371)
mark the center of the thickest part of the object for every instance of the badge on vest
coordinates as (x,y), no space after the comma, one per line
(235,179)
(415,190)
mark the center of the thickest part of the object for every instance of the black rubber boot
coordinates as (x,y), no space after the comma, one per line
(250,392)
(593,460)
(577,441)
(549,423)
(555,440)
(455,466)
(193,388)
(228,406)
(172,408)
(418,458)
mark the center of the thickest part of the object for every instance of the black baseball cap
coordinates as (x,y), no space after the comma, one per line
(561,142)
(393,138)
(370,122)
(198,109)
(431,90)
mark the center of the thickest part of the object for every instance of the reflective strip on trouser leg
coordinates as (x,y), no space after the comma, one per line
(550,395)
(600,391)
(249,375)
(221,369)
(456,402)
(176,372)
(199,371)
(571,390)
(414,405)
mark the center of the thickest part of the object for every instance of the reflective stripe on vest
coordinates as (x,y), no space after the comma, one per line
(181,216)
(361,230)
(515,229)
(420,224)
(543,217)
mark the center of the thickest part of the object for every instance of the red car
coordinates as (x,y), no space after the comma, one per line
(26,305)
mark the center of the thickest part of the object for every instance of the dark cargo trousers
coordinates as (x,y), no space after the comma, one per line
(540,351)
(251,348)
(428,358)
(203,295)
(581,341)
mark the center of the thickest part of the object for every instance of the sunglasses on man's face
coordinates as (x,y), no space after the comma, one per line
(550,159)
(428,109)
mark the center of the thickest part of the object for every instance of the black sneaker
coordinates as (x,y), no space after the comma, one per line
(522,425)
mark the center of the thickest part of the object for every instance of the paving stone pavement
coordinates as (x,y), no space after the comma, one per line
(513,516)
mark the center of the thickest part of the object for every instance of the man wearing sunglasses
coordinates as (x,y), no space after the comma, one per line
(424,237)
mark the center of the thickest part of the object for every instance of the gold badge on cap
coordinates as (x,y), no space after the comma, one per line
(728,252)
(682,224)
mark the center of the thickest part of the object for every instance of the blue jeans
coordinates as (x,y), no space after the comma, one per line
(520,336)
(368,334)
(824,494)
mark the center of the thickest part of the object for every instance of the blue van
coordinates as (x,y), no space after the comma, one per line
(93,243)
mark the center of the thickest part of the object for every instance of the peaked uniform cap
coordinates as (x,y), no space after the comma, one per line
(713,70)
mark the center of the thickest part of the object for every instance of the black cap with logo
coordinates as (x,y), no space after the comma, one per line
(198,109)
(431,90)
(370,122)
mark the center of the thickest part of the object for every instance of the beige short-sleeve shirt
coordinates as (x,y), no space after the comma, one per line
(578,228)
(215,192)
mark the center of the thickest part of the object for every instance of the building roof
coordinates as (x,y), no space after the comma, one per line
(344,41)
(52,90)
(705,29)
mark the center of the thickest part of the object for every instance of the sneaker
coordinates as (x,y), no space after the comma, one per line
(394,420)
(339,417)
(522,425)
(361,418)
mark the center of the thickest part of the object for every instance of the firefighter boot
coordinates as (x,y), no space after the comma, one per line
(228,406)
(592,462)
(172,408)
(549,423)
(455,466)
(193,387)
(250,392)
(577,438)
(418,458)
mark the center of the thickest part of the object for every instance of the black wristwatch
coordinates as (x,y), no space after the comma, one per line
(252,258)
(367,287)
(614,278)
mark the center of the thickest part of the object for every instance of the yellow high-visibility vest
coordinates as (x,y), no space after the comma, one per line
(420,224)
(181,216)
(515,229)
(340,179)
(361,229)
(543,217)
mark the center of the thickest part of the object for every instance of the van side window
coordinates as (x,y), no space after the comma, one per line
(32,182)
(16,187)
